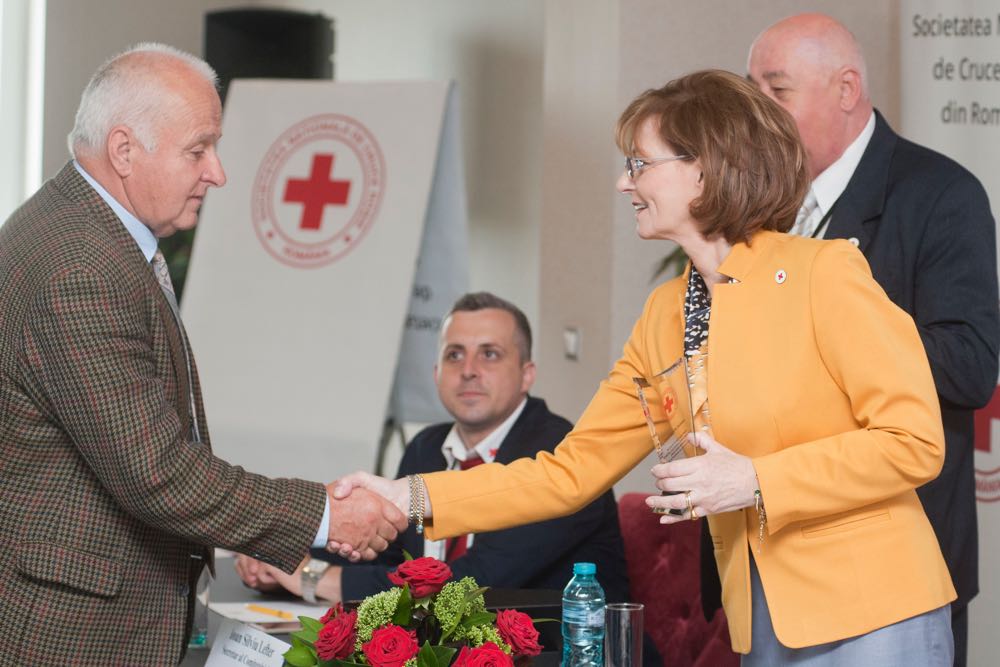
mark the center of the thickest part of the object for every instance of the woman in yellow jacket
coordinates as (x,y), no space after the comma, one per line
(814,383)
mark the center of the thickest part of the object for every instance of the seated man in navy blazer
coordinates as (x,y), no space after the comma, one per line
(483,374)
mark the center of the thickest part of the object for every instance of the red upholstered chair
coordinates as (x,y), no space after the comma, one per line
(663,575)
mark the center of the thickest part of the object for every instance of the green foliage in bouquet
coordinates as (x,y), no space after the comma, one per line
(425,621)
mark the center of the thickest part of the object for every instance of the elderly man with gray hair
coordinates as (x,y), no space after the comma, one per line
(110,497)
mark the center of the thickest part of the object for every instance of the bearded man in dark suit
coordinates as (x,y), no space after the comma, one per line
(110,497)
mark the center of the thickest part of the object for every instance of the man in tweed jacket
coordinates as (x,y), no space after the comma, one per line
(110,497)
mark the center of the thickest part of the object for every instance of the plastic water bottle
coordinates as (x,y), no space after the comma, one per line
(583,619)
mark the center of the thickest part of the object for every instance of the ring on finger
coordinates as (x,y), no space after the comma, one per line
(687,497)
(694,514)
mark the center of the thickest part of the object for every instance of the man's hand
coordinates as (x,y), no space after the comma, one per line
(397,491)
(256,575)
(365,521)
(267,578)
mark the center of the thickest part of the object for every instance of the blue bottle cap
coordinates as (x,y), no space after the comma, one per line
(584,568)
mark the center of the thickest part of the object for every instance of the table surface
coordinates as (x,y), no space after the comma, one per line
(227,587)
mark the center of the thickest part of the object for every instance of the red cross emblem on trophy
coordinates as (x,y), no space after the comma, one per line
(669,402)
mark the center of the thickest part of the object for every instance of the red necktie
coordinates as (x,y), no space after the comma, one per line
(456,547)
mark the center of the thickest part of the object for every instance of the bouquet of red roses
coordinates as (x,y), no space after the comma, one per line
(425,621)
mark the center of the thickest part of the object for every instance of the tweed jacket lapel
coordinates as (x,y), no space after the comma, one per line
(76,188)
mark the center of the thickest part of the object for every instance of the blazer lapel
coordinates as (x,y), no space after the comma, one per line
(861,204)
(77,189)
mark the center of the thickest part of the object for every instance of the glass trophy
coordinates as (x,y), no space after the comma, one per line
(671,391)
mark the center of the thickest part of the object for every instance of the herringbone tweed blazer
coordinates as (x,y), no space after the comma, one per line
(103,499)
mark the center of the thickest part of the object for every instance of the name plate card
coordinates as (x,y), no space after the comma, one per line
(240,644)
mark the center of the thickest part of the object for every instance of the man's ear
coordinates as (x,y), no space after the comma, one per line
(121,146)
(527,376)
(850,88)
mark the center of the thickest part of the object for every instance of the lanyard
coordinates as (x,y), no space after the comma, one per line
(823,221)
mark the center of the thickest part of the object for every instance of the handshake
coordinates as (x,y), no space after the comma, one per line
(366,514)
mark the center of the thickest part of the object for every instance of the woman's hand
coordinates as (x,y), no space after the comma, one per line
(718,481)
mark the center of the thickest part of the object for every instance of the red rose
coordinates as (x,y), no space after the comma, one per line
(332,613)
(487,655)
(391,646)
(517,630)
(426,576)
(338,634)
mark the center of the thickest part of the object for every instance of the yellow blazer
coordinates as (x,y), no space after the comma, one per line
(824,383)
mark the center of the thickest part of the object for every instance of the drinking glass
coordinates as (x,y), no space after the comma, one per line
(623,635)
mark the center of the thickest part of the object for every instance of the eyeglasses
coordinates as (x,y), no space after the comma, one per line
(635,165)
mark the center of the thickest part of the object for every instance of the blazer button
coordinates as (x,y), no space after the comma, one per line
(183,590)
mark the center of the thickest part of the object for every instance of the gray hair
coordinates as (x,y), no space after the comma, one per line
(125,92)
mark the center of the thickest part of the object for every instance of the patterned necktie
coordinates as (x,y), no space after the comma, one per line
(163,277)
(805,221)
(458,545)
(159,263)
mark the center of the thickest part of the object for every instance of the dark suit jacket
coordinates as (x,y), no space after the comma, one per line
(539,555)
(103,500)
(924,224)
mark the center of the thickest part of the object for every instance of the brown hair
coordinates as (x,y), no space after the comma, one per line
(473,301)
(748,147)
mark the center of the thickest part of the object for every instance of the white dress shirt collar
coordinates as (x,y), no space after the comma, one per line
(829,185)
(140,232)
(454,450)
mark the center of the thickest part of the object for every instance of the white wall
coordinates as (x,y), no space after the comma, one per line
(493,50)
(82,35)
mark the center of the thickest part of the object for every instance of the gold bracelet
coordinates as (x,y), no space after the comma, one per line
(758,503)
(417,499)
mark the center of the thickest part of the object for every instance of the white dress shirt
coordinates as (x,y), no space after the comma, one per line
(455,451)
(828,186)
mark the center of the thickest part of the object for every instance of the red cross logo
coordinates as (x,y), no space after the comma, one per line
(317,191)
(668,402)
(983,421)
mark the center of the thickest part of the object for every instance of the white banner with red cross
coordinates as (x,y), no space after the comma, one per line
(304,273)
(951,102)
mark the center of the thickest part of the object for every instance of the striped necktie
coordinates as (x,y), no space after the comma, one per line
(807,218)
